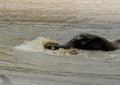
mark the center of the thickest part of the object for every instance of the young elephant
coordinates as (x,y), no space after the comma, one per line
(87,42)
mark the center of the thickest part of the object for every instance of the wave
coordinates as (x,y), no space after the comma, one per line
(37,45)
(5,80)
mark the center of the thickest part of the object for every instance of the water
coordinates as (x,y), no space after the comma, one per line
(24,24)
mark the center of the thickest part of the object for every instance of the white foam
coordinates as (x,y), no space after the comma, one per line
(34,45)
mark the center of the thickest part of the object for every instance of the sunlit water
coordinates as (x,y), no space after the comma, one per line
(24,24)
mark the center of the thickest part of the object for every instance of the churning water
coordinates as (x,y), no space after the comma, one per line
(26,24)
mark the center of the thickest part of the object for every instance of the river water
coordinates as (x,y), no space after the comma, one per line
(25,24)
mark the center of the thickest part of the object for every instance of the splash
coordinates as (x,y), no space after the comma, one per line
(37,45)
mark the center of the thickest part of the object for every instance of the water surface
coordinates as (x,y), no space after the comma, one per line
(26,22)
